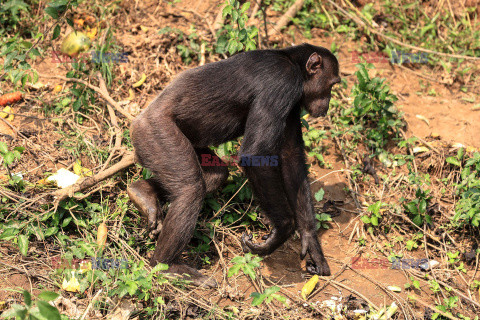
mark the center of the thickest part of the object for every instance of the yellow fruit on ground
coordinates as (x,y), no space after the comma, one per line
(309,286)
(74,43)
(57,88)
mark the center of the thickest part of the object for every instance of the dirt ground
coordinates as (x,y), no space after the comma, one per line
(449,116)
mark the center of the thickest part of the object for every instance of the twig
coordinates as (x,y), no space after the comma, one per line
(355,292)
(127,160)
(202,54)
(344,267)
(231,198)
(254,12)
(287,16)
(420,276)
(90,304)
(26,272)
(423,303)
(370,29)
(101,92)
(400,301)
(218,23)
(114,120)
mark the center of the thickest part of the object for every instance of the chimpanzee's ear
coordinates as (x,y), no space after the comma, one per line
(314,63)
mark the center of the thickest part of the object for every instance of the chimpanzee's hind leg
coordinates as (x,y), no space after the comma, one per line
(148,196)
(175,166)
(214,170)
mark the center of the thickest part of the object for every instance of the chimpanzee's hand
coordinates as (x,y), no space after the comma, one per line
(311,245)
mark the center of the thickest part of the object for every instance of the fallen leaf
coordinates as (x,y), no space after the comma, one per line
(420,149)
(6,114)
(102,234)
(419,116)
(394,289)
(141,81)
(71,285)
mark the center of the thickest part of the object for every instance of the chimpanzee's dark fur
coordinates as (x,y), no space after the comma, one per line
(258,94)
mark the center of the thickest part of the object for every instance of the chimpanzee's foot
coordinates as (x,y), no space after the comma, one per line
(273,240)
(193,275)
(144,197)
(319,264)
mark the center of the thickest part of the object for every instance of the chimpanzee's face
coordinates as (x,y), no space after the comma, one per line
(317,90)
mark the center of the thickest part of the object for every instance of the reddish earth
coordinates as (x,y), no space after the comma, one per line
(448,114)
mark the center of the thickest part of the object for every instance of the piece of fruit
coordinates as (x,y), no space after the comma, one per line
(102,234)
(309,286)
(141,81)
(7,113)
(57,88)
(394,288)
(420,149)
(74,43)
(10,98)
(64,178)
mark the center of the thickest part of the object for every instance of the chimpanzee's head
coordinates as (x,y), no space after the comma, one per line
(322,73)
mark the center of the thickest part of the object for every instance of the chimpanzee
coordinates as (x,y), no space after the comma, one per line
(258,94)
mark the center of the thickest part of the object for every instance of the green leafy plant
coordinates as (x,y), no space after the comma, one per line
(414,242)
(417,208)
(136,281)
(16,51)
(453,257)
(10,12)
(267,296)
(311,15)
(247,264)
(375,214)
(192,48)
(34,310)
(415,284)
(9,157)
(313,140)
(468,189)
(322,220)
(236,35)
(448,305)
(373,117)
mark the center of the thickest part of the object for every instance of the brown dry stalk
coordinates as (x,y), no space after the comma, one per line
(287,16)
(360,22)
(127,160)
(103,93)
